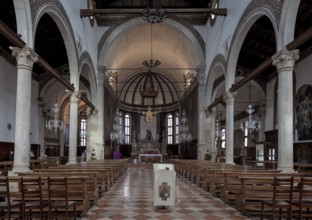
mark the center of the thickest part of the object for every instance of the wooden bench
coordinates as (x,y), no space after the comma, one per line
(104,176)
(232,181)
(91,180)
(77,190)
(255,189)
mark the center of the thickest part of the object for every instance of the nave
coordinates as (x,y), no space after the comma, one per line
(131,198)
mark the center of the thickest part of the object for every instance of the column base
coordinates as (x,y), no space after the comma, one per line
(285,169)
(71,162)
(18,169)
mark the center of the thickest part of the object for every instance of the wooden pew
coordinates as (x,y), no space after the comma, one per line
(91,179)
(77,190)
(255,189)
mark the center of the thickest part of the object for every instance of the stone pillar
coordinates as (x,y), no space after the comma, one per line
(201,146)
(73,125)
(62,140)
(229,98)
(25,57)
(211,129)
(96,121)
(41,128)
(101,115)
(284,61)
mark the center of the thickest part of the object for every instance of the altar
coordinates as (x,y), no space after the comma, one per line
(147,150)
(150,158)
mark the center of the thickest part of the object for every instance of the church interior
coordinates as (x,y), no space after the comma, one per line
(107,89)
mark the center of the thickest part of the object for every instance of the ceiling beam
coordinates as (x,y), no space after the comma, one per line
(127,11)
(302,38)
(18,42)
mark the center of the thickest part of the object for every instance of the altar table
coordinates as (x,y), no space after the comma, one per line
(150,155)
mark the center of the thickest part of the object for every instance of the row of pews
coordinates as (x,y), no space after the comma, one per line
(86,182)
(243,187)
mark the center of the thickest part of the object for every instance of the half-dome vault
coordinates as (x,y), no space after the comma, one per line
(148,89)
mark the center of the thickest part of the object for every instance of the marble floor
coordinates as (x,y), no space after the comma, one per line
(131,198)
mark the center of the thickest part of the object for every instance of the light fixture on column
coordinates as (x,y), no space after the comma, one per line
(250,124)
(55,123)
(117,133)
(184,132)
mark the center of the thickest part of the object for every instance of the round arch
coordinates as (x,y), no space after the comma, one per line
(240,35)
(24,23)
(65,28)
(86,69)
(217,70)
(287,23)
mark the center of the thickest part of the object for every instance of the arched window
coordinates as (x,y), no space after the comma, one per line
(223,138)
(177,126)
(127,128)
(83,132)
(170,129)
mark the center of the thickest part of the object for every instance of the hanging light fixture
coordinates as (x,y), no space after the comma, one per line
(154,13)
(218,132)
(184,133)
(117,133)
(250,124)
(55,123)
(151,63)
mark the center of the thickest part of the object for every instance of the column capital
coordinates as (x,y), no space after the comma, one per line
(201,77)
(101,78)
(74,96)
(26,57)
(285,59)
(101,75)
(229,97)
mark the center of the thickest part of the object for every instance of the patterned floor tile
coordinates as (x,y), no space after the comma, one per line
(131,198)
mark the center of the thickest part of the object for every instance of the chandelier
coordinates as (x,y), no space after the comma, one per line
(55,123)
(250,124)
(185,135)
(148,90)
(117,133)
(154,14)
(218,132)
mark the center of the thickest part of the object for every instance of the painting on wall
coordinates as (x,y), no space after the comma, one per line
(304,113)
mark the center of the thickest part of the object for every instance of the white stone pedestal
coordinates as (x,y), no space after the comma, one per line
(164,185)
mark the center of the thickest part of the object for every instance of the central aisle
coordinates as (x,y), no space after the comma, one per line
(131,198)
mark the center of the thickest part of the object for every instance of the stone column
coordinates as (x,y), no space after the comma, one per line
(73,125)
(41,126)
(96,120)
(201,146)
(229,98)
(284,61)
(100,102)
(211,129)
(62,140)
(25,57)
